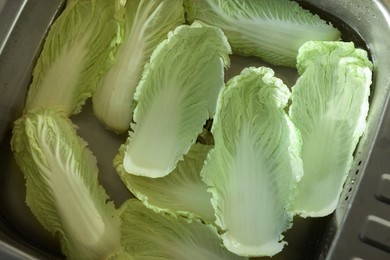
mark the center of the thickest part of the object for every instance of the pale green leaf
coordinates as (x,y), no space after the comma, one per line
(254,167)
(270,29)
(76,51)
(146,24)
(177,94)
(329,107)
(62,188)
(149,235)
(182,192)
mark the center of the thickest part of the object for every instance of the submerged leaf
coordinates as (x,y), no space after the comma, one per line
(62,185)
(254,167)
(76,52)
(182,192)
(270,29)
(149,235)
(177,94)
(329,107)
(146,24)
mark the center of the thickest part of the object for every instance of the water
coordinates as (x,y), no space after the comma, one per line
(304,238)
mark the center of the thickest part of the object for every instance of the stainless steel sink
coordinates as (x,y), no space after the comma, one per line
(360,227)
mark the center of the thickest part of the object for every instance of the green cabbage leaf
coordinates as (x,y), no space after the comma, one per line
(62,188)
(329,107)
(149,235)
(146,24)
(255,165)
(182,192)
(176,95)
(76,51)
(272,30)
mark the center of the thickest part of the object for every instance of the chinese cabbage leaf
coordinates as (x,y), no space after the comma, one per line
(270,29)
(254,167)
(329,107)
(76,52)
(149,235)
(182,192)
(146,23)
(62,188)
(176,95)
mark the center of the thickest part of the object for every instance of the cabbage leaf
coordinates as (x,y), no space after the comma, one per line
(62,188)
(182,192)
(149,235)
(254,167)
(146,23)
(176,95)
(272,30)
(329,106)
(76,51)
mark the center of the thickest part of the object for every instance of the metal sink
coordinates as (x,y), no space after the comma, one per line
(359,228)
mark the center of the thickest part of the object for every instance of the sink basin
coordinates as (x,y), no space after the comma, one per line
(356,230)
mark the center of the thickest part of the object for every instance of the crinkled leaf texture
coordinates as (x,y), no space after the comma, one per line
(149,235)
(329,107)
(146,24)
(62,188)
(182,192)
(77,50)
(176,95)
(254,167)
(271,30)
